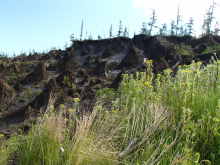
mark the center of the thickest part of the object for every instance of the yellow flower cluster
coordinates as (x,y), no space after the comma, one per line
(115,111)
(70,110)
(187,71)
(147,83)
(1,135)
(182,84)
(149,61)
(76,99)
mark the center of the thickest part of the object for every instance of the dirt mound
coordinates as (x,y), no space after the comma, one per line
(97,59)
(102,45)
(2,65)
(52,89)
(69,74)
(107,53)
(6,93)
(142,41)
(18,87)
(117,80)
(16,68)
(199,48)
(117,47)
(20,58)
(99,70)
(209,40)
(70,61)
(45,57)
(87,61)
(33,57)
(160,47)
(39,73)
(177,40)
(85,52)
(133,58)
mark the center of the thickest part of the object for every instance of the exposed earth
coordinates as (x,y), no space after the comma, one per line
(28,84)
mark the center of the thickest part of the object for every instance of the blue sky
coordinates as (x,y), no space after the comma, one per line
(43,24)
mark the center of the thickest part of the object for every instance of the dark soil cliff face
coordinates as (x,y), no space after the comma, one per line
(6,93)
(70,61)
(84,68)
(39,74)
(133,58)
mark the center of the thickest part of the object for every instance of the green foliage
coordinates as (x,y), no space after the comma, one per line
(155,119)
(14,75)
(106,93)
(183,50)
(120,30)
(66,81)
(53,64)
(190,26)
(153,21)
(8,148)
(211,49)
(81,34)
(110,32)
(28,94)
(38,92)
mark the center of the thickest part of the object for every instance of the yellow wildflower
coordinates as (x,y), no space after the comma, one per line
(115,111)
(148,97)
(1,135)
(182,84)
(147,83)
(187,71)
(151,86)
(70,110)
(65,119)
(76,99)
(39,118)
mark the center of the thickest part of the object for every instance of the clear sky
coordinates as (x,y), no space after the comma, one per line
(43,24)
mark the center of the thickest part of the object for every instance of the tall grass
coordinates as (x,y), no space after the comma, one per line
(154,119)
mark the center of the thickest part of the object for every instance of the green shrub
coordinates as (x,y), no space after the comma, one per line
(37,92)
(106,93)
(155,119)
(14,75)
(211,49)
(66,81)
(53,64)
